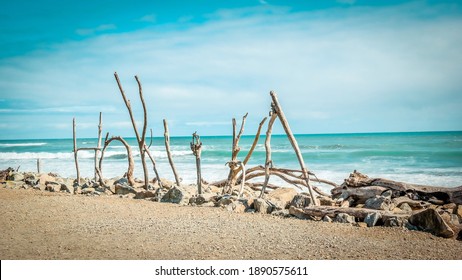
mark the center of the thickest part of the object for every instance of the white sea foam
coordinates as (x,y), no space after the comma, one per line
(22,144)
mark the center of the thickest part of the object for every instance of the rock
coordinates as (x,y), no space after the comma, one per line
(393,222)
(262,206)
(405,208)
(429,220)
(281,213)
(225,200)
(66,188)
(327,219)
(202,199)
(455,219)
(301,201)
(372,219)
(458,211)
(326,201)
(145,194)
(88,191)
(178,195)
(123,189)
(16,176)
(121,181)
(387,194)
(344,218)
(167,183)
(46,178)
(52,187)
(212,189)
(238,206)
(299,213)
(349,202)
(379,203)
(281,197)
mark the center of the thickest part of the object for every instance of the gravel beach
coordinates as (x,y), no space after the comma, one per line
(43,225)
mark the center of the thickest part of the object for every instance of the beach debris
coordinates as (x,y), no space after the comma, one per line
(169,154)
(429,220)
(196,148)
(141,138)
(344,218)
(372,218)
(179,195)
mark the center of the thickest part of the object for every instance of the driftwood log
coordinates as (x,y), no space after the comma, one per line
(169,154)
(285,124)
(268,161)
(432,194)
(141,139)
(131,161)
(100,129)
(196,147)
(331,211)
(76,158)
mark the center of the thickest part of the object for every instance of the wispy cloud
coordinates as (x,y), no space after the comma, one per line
(367,69)
(148,18)
(99,29)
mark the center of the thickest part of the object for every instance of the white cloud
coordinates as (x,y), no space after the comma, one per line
(98,29)
(148,18)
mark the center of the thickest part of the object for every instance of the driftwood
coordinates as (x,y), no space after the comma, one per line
(131,161)
(285,124)
(360,195)
(169,154)
(76,159)
(331,211)
(100,129)
(39,163)
(436,195)
(233,166)
(196,146)
(268,161)
(140,138)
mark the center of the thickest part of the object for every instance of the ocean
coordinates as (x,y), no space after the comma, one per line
(430,158)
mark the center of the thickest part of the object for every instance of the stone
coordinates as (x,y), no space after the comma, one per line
(327,219)
(379,203)
(458,211)
(178,195)
(387,194)
(326,201)
(372,219)
(145,194)
(349,202)
(361,225)
(344,218)
(123,189)
(88,191)
(455,219)
(301,201)
(281,213)
(202,199)
(46,178)
(16,176)
(225,200)
(212,189)
(66,188)
(53,187)
(393,222)
(299,213)
(237,206)
(121,181)
(262,206)
(429,220)
(405,208)
(281,197)
(167,183)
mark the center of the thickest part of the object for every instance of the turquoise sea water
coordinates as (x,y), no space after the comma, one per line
(433,158)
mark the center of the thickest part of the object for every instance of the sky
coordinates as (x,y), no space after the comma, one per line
(341,66)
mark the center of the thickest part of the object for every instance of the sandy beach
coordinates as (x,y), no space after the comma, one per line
(44,225)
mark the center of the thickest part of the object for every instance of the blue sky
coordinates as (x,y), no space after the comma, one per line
(337,66)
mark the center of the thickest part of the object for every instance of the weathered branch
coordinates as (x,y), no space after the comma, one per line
(255,141)
(76,158)
(268,161)
(427,193)
(169,154)
(100,128)
(196,146)
(331,211)
(131,161)
(293,141)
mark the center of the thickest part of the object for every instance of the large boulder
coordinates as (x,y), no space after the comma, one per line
(179,195)
(344,218)
(301,201)
(379,203)
(429,220)
(372,219)
(263,206)
(281,197)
